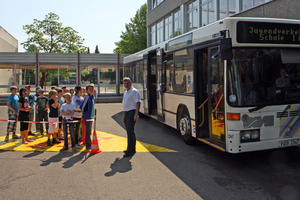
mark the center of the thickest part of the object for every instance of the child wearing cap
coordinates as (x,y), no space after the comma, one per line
(31,100)
(42,111)
(13,108)
(53,118)
(67,112)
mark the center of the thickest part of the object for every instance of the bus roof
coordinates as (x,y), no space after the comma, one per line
(212,31)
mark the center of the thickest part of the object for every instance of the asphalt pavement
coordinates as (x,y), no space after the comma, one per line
(192,172)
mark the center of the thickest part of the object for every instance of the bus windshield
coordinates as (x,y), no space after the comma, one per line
(263,76)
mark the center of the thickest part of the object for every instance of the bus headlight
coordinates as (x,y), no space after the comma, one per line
(250,136)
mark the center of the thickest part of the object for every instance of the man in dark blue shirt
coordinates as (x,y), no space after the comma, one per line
(88,113)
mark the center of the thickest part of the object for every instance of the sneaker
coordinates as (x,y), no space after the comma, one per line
(15,137)
(78,146)
(49,143)
(6,139)
(64,149)
(30,133)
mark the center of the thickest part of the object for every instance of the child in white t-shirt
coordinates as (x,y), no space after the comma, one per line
(67,112)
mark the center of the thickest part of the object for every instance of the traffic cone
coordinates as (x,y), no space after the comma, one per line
(95,147)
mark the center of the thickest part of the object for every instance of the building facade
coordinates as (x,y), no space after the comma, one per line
(7,42)
(169,18)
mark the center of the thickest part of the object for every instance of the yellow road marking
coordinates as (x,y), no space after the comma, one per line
(107,143)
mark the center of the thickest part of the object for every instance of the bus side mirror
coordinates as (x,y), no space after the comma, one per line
(226,49)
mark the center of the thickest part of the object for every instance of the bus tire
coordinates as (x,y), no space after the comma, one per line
(184,127)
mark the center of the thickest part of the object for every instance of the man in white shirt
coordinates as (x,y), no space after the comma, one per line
(131,105)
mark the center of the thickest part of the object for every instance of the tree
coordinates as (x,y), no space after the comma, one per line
(97,49)
(134,38)
(49,35)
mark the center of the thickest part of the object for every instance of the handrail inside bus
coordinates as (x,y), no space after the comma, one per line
(201,106)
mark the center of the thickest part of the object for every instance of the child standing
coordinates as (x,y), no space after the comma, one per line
(24,109)
(42,111)
(88,110)
(13,108)
(31,100)
(67,112)
(77,100)
(53,118)
(61,100)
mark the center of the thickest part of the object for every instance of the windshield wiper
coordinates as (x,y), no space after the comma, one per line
(257,108)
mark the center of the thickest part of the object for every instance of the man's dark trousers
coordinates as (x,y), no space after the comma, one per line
(129,124)
(88,131)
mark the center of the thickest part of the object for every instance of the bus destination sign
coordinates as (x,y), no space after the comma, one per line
(270,33)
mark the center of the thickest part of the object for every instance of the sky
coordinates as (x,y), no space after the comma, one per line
(99,22)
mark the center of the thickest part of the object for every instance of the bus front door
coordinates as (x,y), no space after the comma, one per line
(152,83)
(216,96)
(201,101)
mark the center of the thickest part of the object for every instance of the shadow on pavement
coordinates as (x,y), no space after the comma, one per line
(73,160)
(122,165)
(213,174)
(32,154)
(56,158)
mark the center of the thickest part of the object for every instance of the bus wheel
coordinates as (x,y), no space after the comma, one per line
(184,127)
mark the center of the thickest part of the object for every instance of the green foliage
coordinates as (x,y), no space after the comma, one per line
(49,35)
(134,38)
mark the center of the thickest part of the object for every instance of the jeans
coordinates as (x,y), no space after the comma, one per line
(42,116)
(68,127)
(76,129)
(88,125)
(129,125)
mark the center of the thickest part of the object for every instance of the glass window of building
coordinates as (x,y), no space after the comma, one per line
(208,12)
(153,35)
(192,15)
(248,4)
(168,27)
(155,3)
(227,8)
(177,23)
(160,32)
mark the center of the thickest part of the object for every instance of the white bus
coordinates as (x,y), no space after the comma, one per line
(233,84)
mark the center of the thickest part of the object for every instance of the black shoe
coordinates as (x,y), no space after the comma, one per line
(55,141)
(49,143)
(15,137)
(30,133)
(127,154)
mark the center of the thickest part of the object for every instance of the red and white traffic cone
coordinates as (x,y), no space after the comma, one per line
(95,147)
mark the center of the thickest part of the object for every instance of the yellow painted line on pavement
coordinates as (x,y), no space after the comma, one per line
(107,142)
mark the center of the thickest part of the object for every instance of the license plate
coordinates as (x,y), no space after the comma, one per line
(290,142)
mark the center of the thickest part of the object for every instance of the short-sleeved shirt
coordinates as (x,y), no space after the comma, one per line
(130,99)
(14,102)
(88,107)
(77,102)
(23,115)
(31,99)
(41,103)
(61,102)
(53,111)
(67,108)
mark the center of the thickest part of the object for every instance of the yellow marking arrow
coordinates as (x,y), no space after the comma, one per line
(107,143)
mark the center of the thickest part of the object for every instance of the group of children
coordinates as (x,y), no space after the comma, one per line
(62,109)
